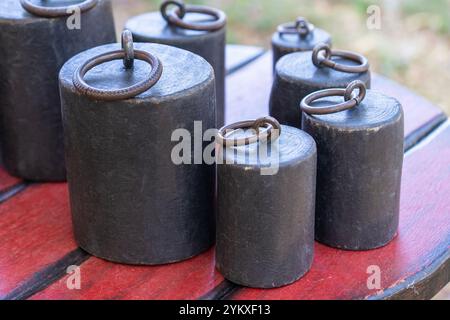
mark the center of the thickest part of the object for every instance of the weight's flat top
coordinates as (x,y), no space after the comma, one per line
(298,67)
(153,26)
(12,9)
(376,110)
(294,41)
(294,146)
(182,70)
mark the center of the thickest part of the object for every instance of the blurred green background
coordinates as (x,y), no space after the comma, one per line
(412,46)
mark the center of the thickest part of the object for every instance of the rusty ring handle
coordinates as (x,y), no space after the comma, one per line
(119,94)
(175,17)
(176,3)
(350,99)
(128,47)
(272,129)
(53,12)
(301,27)
(320,60)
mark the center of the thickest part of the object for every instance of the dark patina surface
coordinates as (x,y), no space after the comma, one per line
(130,203)
(296,76)
(152,27)
(265,223)
(283,44)
(32,51)
(360,157)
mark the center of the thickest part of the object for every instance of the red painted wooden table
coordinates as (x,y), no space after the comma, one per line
(37,244)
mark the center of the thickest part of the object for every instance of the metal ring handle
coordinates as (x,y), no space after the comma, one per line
(301,27)
(53,12)
(272,128)
(320,60)
(125,93)
(176,3)
(350,100)
(175,17)
(352,86)
(271,121)
(128,47)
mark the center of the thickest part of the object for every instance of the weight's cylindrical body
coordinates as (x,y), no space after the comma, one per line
(360,156)
(283,44)
(296,76)
(32,51)
(152,27)
(131,202)
(265,223)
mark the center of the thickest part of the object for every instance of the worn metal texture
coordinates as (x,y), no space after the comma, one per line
(32,51)
(151,27)
(296,76)
(360,156)
(130,203)
(265,223)
(283,44)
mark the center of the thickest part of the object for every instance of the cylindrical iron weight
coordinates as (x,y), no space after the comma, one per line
(297,36)
(360,156)
(34,46)
(296,76)
(131,201)
(265,221)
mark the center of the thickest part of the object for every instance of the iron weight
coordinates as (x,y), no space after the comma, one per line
(34,46)
(301,73)
(130,202)
(187,28)
(300,35)
(265,223)
(360,156)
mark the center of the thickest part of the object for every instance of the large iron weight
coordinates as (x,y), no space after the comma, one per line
(36,42)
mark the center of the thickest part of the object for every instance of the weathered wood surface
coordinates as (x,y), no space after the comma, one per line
(35,229)
(238,56)
(38,244)
(104,280)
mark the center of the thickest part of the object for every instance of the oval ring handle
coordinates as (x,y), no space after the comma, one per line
(350,99)
(271,130)
(53,12)
(301,27)
(320,60)
(175,17)
(117,94)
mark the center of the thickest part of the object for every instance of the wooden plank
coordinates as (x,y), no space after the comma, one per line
(418,110)
(423,285)
(237,56)
(248,94)
(35,232)
(47,275)
(423,239)
(248,91)
(104,280)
